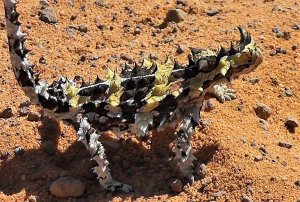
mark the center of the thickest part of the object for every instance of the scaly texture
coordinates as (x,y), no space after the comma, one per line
(139,100)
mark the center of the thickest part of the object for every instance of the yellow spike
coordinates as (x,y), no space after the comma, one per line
(147,63)
(114,99)
(109,74)
(72,95)
(152,102)
(169,62)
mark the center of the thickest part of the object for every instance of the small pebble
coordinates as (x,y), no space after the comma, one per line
(296,26)
(24,111)
(67,187)
(246,199)
(263,151)
(175,15)
(42,60)
(258,158)
(262,111)
(213,12)
(291,123)
(83,28)
(48,15)
(7,113)
(34,116)
(177,186)
(180,49)
(125,56)
(253,144)
(83,58)
(264,124)
(285,144)
(288,92)
(297,183)
(281,50)
(272,53)
(201,170)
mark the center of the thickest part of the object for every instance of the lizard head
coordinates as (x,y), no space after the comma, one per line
(246,56)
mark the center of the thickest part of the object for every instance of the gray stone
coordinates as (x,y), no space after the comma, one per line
(278,8)
(67,187)
(101,3)
(71,30)
(24,111)
(246,199)
(83,28)
(291,123)
(7,113)
(48,15)
(264,124)
(175,15)
(281,50)
(180,49)
(285,144)
(125,56)
(272,53)
(213,12)
(258,158)
(34,116)
(296,26)
(262,111)
(288,92)
(201,170)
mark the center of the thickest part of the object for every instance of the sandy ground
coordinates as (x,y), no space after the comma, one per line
(229,144)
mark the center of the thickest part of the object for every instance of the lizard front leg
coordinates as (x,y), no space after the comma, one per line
(222,91)
(89,137)
(183,150)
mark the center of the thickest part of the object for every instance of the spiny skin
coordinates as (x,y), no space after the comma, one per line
(140,99)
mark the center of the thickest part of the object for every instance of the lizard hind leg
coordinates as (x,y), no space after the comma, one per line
(89,137)
(183,150)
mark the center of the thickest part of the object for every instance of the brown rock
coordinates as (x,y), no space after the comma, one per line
(67,187)
(262,111)
(177,186)
(175,15)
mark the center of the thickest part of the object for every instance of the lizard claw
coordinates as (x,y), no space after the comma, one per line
(118,186)
(223,93)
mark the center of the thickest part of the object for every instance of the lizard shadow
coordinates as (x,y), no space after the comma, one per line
(148,170)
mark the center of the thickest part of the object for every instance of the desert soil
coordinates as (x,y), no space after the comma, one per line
(242,154)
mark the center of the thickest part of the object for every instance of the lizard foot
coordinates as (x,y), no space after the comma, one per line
(117,186)
(223,93)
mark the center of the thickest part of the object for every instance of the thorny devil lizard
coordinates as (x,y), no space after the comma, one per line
(136,100)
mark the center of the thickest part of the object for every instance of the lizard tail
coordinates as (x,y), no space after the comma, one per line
(27,78)
(52,98)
